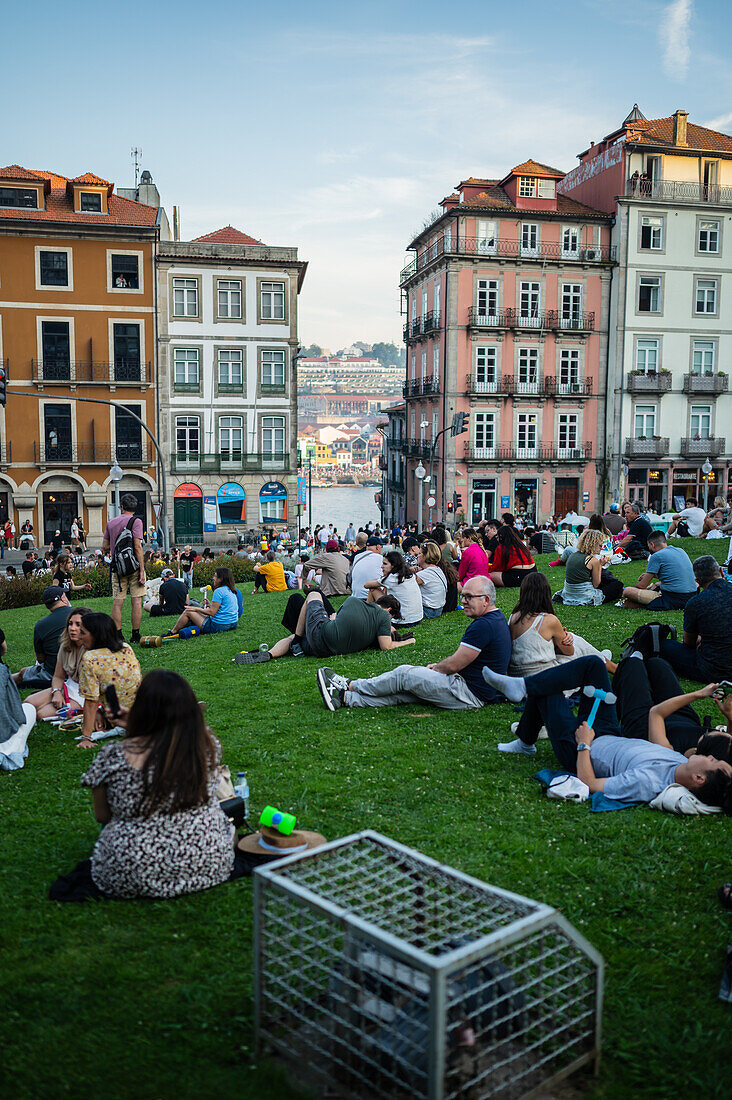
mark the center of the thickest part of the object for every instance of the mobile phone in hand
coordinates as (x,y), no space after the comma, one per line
(110,694)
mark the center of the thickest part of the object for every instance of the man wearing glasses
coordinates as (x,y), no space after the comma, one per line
(455,683)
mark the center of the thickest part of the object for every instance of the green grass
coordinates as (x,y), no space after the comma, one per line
(154,999)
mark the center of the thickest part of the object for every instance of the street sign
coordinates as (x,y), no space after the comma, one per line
(431,501)
(156,510)
(505,502)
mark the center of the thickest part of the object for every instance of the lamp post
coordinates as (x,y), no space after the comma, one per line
(116,474)
(419,474)
(706,470)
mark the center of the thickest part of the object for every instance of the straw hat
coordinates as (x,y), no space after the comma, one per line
(268,841)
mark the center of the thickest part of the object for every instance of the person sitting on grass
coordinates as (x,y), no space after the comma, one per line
(583,577)
(539,639)
(46,640)
(635,542)
(512,561)
(628,769)
(48,702)
(16,718)
(454,683)
(333,567)
(107,660)
(172,596)
(705,654)
(435,577)
(397,579)
(321,632)
(164,833)
(474,560)
(221,614)
(689,522)
(63,575)
(668,582)
(270,575)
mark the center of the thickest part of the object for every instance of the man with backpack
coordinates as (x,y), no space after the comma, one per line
(122,540)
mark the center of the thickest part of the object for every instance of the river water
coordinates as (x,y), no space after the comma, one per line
(343,504)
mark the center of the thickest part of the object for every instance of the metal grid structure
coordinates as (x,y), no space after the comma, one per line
(381,973)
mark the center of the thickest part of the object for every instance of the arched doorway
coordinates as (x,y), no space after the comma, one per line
(188,513)
(272,503)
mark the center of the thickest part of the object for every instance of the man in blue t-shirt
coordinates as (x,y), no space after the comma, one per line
(455,683)
(671,567)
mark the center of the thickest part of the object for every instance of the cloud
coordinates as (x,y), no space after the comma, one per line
(674,33)
(719,123)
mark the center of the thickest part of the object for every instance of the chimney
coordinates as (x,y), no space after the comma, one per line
(450,202)
(176,223)
(680,118)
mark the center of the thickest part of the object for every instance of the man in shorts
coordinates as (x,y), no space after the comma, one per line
(134,585)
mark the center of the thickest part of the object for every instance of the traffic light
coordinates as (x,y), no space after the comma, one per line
(3,385)
(459,423)
(450,506)
(458,501)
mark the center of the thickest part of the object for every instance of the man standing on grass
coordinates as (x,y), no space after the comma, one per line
(134,585)
(455,683)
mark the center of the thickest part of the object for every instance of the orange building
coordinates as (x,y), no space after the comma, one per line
(77,320)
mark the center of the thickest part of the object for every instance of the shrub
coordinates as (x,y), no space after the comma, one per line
(22,593)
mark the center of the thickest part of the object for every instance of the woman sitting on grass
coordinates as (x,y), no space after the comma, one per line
(62,576)
(107,660)
(397,579)
(584,571)
(511,560)
(474,561)
(539,639)
(68,665)
(222,613)
(164,833)
(435,577)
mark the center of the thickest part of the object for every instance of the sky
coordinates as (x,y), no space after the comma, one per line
(338,127)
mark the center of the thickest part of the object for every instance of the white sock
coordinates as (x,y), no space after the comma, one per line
(517,746)
(606,654)
(636,653)
(513,687)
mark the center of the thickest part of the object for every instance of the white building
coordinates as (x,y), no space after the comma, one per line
(227,308)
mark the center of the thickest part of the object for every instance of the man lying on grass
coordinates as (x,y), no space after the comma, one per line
(454,683)
(626,768)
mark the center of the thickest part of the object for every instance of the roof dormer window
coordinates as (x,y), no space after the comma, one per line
(527,187)
(530,187)
(91,202)
(24,198)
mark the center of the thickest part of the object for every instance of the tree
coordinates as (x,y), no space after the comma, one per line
(313,351)
(389,354)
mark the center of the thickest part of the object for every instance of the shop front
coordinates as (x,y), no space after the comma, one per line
(188,513)
(482,499)
(666,489)
(524,498)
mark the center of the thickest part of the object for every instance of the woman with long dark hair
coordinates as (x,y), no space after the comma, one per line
(397,579)
(164,833)
(107,660)
(539,639)
(222,613)
(511,560)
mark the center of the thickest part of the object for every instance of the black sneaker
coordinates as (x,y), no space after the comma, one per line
(296,650)
(253,657)
(332,686)
(135,637)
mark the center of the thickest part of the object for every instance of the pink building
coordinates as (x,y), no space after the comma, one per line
(507,304)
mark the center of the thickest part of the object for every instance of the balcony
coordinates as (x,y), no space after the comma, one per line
(554,387)
(503,249)
(678,191)
(540,453)
(712,447)
(395,484)
(228,462)
(550,320)
(647,448)
(431,322)
(493,319)
(90,454)
(483,386)
(652,382)
(382,463)
(416,447)
(66,372)
(712,384)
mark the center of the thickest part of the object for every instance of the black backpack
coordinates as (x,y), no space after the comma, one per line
(124,559)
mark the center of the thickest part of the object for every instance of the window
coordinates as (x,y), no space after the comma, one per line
(706,295)
(486,369)
(413,372)
(56,351)
(651,232)
(484,435)
(125,271)
(571,303)
(529,239)
(91,201)
(231,438)
(529,300)
(424,365)
(447,238)
(25,198)
(569,370)
(527,187)
(185,297)
(649,294)
(272,296)
(57,432)
(568,432)
(653,168)
(273,371)
(647,356)
(700,421)
(436,301)
(54,268)
(414,307)
(546,189)
(703,357)
(187,438)
(488,301)
(528,370)
(570,241)
(644,422)
(228,298)
(273,437)
(526,435)
(231,369)
(126,340)
(708,236)
(186,373)
(424,303)
(128,434)
(486,237)
(435,363)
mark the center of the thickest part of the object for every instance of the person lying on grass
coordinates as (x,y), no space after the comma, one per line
(717,742)
(222,613)
(454,683)
(627,768)
(322,632)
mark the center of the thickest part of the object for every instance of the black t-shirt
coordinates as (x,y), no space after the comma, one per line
(57,542)
(29,566)
(708,615)
(640,529)
(490,545)
(174,595)
(47,633)
(63,580)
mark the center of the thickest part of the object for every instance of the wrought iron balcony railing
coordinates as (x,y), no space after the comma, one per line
(712,447)
(652,382)
(539,453)
(706,383)
(506,249)
(90,454)
(678,191)
(551,320)
(229,462)
(647,448)
(59,370)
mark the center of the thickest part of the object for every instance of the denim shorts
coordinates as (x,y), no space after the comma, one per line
(211,627)
(432,612)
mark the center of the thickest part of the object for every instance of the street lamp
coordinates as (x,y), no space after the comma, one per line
(706,470)
(116,474)
(419,474)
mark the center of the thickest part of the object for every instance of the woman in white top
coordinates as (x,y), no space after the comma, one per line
(66,674)
(539,639)
(397,579)
(433,577)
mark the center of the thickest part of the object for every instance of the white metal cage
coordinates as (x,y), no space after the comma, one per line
(381,973)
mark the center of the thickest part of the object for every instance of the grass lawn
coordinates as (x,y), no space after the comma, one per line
(154,999)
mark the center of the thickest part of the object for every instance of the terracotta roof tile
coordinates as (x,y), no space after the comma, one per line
(660,131)
(495,198)
(533,168)
(227,235)
(60,208)
(89,177)
(15,172)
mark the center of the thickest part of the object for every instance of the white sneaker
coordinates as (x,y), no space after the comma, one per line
(331,685)
(517,747)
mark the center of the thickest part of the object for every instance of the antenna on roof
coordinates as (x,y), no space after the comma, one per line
(136,155)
